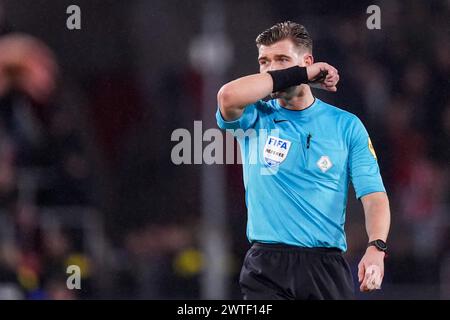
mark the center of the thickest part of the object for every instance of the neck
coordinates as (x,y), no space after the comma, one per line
(300,99)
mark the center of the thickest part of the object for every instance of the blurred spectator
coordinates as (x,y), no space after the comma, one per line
(42,163)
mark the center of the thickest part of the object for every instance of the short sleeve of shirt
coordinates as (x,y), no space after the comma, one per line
(363,165)
(246,121)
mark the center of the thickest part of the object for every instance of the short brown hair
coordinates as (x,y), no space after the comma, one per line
(286,30)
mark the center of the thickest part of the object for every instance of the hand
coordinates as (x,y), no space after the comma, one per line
(323,76)
(371,270)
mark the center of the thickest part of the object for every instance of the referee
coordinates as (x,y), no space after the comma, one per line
(296,215)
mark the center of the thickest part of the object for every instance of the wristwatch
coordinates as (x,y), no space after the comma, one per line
(379,244)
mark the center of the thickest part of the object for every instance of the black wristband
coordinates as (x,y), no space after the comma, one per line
(285,78)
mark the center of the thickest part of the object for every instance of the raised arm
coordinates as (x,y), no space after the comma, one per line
(235,95)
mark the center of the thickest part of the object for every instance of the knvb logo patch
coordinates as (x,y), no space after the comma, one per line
(324,163)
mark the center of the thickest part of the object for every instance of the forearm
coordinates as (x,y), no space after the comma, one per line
(378,216)
(235,95)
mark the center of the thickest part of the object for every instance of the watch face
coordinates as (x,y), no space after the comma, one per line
(381,244)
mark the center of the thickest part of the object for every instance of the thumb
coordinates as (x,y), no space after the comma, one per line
(361,272)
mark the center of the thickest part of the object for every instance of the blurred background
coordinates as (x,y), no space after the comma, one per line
(86,119)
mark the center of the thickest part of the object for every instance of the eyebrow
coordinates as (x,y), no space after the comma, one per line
(276,56)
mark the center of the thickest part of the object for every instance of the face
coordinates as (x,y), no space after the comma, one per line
(281,55)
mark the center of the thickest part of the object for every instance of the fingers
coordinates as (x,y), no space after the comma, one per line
(330,69)
(361,272)
(329,85)
(362,277)
(363,287)
(373,278)
(331,80)
(331,88)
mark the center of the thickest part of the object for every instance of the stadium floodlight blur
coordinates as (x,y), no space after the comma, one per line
(211,53)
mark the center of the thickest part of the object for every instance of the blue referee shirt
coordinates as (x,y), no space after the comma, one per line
(297,166)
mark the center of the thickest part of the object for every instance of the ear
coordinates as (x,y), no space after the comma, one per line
(308,59)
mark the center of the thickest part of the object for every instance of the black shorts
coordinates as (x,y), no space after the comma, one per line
(279,271)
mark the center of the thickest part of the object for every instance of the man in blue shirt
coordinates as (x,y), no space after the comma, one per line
(299,156)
